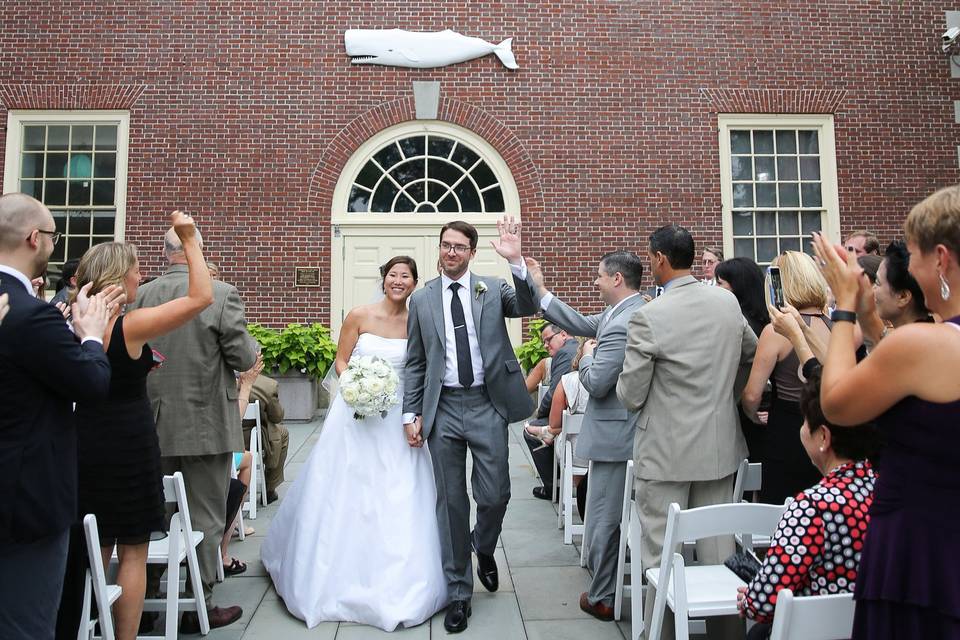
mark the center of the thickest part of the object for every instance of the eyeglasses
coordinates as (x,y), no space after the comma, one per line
(54,235)
(546,340)
(459,249)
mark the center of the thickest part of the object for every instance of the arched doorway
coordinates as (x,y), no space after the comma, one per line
(396,192)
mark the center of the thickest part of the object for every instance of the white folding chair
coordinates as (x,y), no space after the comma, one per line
(179,545)
(258,480)
(623,566)
(812,617)
(749,479)
(703,590)
(96,588)
(542,389)
(571,425)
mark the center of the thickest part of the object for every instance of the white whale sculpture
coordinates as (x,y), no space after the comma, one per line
(421,49)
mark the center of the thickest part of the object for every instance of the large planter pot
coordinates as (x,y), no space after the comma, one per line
(300,395)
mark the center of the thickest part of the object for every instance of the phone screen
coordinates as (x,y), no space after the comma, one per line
(776,287)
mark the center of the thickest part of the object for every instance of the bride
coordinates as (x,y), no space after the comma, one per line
(355,538)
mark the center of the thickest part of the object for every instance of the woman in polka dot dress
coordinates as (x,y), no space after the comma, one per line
(816,547)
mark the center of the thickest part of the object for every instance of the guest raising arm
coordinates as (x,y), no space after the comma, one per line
(905,385)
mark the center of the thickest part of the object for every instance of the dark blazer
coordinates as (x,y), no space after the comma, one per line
(43,370)
(560,365)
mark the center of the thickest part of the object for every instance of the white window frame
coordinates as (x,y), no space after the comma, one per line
(823,123)
(341,194)
(17,119)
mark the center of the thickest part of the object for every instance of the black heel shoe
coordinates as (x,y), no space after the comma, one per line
(457,613)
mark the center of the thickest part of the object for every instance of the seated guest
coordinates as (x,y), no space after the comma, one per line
(275,437)
(562,349)
(711,257)
(815,549)
(539,374)
(786,469)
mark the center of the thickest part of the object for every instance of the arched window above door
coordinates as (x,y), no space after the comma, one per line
(426,168)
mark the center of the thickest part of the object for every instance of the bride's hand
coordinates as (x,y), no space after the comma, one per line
(413,431)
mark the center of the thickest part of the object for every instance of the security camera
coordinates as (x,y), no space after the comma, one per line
(949,37)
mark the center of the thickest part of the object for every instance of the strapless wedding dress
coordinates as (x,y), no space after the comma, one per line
(355,538)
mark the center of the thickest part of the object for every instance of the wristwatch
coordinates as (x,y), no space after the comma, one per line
(839,315)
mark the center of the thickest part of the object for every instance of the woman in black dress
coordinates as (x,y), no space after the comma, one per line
(118,449)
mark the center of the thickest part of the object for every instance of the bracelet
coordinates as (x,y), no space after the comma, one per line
(242,399)
(839,315)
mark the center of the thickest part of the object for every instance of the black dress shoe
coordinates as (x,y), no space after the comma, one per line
(457,613)
(543,493)
(487,570)
(272,497)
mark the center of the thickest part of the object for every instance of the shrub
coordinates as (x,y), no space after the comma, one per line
(307,348)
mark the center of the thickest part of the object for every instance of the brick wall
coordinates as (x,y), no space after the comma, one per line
(244,112)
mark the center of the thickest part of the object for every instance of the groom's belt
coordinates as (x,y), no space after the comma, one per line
(476,389)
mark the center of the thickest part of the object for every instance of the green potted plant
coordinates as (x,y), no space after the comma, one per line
(298,356)
(532,351)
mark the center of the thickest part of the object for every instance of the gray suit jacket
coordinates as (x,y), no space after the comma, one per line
(688,356)
(194,393)
(560,364)
(607,431)
(426,347)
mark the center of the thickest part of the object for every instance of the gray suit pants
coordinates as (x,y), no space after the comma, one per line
(653,498)
(466,418)
(206,479)
(602,535)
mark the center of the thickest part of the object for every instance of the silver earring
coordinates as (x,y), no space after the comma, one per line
(944,288)
(821,449)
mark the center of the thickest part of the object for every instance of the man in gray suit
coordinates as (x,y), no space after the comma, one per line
(688,356)
(463,386)
(606,437)
(194,398)
(562,349)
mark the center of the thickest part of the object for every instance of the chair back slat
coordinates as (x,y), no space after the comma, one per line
(812,617)
(98,578)
(253,412)
(749,478)
(719,520)
(571,423)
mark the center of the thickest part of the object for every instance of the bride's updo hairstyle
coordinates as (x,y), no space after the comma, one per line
(392,262)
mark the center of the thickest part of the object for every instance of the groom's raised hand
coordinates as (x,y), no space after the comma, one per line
(508,245)
(414,432)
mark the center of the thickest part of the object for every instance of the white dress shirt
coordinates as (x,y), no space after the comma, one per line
(25,281)
(451,376)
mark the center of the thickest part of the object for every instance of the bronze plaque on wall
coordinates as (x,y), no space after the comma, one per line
(308,276)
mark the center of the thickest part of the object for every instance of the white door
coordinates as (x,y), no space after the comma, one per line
(360,250)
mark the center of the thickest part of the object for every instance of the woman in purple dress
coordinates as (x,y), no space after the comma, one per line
(909,583)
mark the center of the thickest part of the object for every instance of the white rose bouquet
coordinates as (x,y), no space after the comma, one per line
(369,385)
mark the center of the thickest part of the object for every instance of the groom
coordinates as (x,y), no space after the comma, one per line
(463,386)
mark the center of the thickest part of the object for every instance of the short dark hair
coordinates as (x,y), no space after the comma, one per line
(857,442)
(871,244)
(897,259)
(675,243)
(465,228)
(67,271)
(625,263)
(395,260)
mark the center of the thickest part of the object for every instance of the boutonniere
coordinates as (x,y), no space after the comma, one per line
(478,289)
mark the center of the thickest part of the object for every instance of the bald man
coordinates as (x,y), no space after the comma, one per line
(194,398)
(44,369)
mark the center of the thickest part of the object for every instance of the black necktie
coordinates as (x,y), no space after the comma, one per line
(464,364)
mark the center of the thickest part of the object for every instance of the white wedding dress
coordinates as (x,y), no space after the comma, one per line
(355,538)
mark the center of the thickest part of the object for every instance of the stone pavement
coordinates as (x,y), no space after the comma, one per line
(540,577)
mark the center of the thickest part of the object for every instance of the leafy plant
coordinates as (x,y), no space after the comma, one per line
(532,351)
(306,348)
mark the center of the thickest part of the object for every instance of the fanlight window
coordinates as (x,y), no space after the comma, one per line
(426,173)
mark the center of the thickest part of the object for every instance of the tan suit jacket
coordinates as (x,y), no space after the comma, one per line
(194,393)
(267,391)
(688,356)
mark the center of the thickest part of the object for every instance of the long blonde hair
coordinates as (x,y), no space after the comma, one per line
(803,284)
(105,264)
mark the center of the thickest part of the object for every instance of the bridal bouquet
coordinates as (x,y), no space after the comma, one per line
(369,385)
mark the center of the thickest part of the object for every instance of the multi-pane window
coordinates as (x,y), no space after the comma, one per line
(776,188)
(71,165)
(426,173)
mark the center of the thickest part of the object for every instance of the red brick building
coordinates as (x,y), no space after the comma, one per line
(748,125)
